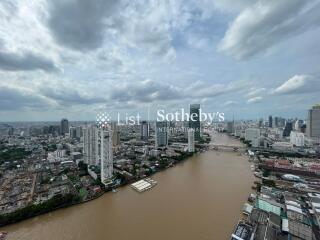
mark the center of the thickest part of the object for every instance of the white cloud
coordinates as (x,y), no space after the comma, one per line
(254,100)
(266,23)
(231,5)
(198,42)
(229,103)
(298,84)
(201,89)
(255,91)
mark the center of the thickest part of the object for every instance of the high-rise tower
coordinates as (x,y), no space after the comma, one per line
(106,155)
(161,134)
(194,121)
(64,126)
(313,122)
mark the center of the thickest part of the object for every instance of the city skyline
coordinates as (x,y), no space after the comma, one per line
(159,119)
(77,59)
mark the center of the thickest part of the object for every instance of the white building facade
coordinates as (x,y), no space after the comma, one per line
(190,140)
(90,145)
(297,138)
(106,155)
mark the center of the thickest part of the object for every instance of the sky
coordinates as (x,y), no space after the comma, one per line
(75,58)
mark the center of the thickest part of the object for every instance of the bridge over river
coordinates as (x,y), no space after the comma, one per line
(223,142)
(222,147)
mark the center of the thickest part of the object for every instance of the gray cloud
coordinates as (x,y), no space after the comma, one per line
(14,98)
(67,96)
(150,91)
(9,6)
(145,91)
(18,98)
(267,23)
(150,34)
(26,61)
(84,26)
(202,90)
(80,24)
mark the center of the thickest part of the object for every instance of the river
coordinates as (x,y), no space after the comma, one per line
(201,198)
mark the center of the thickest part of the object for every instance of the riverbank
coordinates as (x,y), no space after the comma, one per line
(65,201)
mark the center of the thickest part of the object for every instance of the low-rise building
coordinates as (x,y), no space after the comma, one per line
(297,138)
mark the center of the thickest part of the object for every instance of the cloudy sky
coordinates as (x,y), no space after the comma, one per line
(250,58)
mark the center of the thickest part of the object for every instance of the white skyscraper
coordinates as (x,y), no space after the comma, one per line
(106,155)
(86,145)
(191,140)
(144,130)
(90,145)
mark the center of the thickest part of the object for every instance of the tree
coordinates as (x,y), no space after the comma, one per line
(266,173)
(268,183)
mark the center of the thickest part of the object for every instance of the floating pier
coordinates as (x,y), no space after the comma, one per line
(144,184)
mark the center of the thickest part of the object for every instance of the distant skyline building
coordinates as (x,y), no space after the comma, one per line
(161,134)
(275,122)
(106,155)
(298,125)
(270,121)
(79,132)
(115,134)
(195,123)
(280,122)
(64,126)
(73,132)
(230,127)
(287,128)
(10,131)
(54,130)
(313,122)
(190,140)
(144,130)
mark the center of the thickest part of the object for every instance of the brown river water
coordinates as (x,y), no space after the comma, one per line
(201,198)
